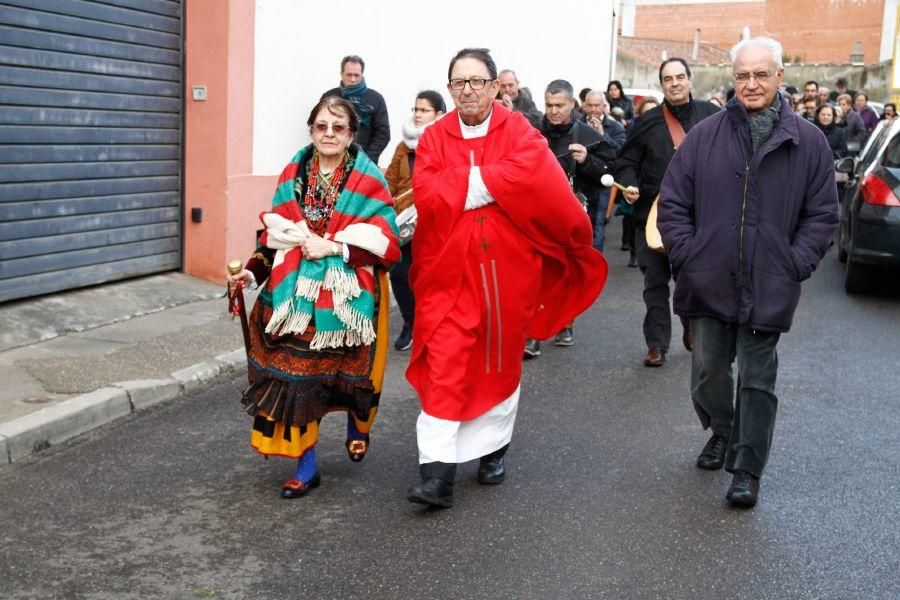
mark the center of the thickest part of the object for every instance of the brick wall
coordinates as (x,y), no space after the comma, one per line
(720,24)
(814,30)
(826,30)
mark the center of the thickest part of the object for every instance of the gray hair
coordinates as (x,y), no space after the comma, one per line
(511,72)
(773,46)
(599,93)
(560,86)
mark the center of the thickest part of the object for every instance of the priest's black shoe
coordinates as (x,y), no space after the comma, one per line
(744,490)
(432,491)
(491,470)
(712,457)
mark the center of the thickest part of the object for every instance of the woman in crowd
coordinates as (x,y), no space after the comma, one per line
(616,98)
(429,107)
(825,121)
(319,332)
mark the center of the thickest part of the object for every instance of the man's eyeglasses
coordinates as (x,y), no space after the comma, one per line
(745,77)
(476,83)
(422,111)
(337,128)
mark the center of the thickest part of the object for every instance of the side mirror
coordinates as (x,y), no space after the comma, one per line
(844,165)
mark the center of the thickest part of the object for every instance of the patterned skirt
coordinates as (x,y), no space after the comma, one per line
(292,387)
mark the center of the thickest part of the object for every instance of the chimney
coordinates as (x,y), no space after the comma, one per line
(696,51)
(857,57)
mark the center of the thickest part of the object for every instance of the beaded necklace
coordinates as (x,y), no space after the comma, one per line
(321,194)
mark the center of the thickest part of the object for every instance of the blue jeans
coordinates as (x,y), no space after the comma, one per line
(750,422)
(598,218)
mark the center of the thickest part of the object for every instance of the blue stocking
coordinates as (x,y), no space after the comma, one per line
(306,466)
(352,432)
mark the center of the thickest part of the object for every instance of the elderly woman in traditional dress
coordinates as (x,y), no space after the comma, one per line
(319,330)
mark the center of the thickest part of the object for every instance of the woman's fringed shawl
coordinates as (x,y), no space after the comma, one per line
(338,297)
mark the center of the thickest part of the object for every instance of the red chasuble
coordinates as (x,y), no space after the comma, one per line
(485,279)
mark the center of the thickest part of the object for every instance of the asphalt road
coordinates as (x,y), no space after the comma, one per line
(602,499)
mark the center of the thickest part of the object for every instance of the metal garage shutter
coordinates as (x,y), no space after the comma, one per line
(90,142)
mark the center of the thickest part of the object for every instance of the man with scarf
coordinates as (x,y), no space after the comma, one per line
(585,156)
(502,252)
(641,165)
(374,131)
(747,209)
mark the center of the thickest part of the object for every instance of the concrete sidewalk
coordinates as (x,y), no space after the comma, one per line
(74,361)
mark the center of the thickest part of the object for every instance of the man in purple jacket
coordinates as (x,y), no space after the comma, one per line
(747,208)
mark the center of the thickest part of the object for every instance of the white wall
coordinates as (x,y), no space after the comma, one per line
(888,30)
(407,47)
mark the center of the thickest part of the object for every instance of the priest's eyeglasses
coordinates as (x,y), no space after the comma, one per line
(476,83)
(745,77)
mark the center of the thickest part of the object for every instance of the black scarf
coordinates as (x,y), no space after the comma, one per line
(554,132)
(682,112)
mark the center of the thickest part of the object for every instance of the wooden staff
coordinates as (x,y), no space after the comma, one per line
(236,301)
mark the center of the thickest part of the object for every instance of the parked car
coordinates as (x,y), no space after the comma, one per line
(869,234)
(638,94)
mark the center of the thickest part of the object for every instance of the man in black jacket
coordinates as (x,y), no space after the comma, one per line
(641,165)
(584,154)
(516,98)
(374,131)
(613,133)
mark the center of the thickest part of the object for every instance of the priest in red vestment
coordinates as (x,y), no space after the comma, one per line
(502,252)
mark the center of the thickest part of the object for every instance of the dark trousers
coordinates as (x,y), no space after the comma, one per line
(657,274)
(750,422)
(629,225)
(400,284)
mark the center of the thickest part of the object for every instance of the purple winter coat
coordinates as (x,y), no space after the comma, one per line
(742,230)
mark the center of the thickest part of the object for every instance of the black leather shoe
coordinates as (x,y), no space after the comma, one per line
(432,491)
(712,457)
(632,260)
(744,490)
(491,470)
(294,488)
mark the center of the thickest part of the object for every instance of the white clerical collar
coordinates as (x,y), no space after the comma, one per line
(475,131)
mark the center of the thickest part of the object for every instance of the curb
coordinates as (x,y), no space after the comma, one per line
(55,424)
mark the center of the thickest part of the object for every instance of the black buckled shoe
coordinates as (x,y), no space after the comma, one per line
(294,488)
(357,448)
(744,490)
(433,492)
(712,457)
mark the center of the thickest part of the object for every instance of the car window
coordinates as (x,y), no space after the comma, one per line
(891,157)
(874,145)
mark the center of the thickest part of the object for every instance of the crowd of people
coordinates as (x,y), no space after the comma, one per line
(504,257)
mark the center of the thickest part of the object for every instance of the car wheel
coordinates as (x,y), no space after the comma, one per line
(857,278)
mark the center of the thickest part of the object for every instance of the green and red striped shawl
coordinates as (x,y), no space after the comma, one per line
(339,296)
